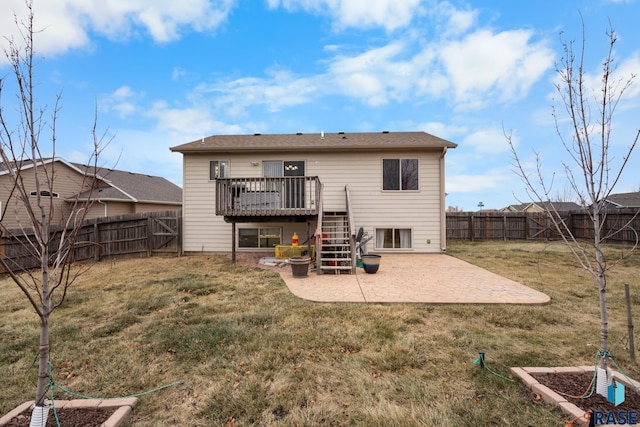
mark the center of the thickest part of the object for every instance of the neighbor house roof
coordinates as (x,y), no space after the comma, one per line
(133,187)
(115,185)
(625,200)
(340,141)
(558,206)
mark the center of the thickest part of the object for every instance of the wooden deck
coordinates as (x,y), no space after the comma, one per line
(279,198)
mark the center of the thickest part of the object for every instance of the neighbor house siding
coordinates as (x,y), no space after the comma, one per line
(155,207)
(66,182)
(362,171)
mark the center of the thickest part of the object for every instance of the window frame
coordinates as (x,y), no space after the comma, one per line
(44,193)
(215,173)
(400,179)
(260,236)
(394,237)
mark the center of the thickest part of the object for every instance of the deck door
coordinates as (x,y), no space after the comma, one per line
(292,190)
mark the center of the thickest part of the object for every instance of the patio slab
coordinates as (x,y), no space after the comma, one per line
(415,278)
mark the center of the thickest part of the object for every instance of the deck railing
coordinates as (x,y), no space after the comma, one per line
(262,197)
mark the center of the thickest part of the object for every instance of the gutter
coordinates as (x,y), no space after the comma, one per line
(443,213)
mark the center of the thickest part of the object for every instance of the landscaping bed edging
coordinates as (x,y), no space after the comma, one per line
(124,407)
(550,396)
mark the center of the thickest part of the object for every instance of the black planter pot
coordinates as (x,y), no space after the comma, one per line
(371,263)
(299,266)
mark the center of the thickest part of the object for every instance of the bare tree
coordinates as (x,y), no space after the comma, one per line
(45,232)
(591,170)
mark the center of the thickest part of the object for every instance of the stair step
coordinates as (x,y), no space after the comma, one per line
(335,255)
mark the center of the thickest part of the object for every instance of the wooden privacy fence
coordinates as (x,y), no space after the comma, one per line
(144,234)
(620,226)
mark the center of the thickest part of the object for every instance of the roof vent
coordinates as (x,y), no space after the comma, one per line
(341,133)
(385,131)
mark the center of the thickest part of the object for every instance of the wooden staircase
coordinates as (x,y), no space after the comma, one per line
(336,253)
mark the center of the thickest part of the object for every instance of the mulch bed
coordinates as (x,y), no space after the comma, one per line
(76,417)
(570,384)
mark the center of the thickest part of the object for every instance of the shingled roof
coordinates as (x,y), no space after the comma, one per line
(114,185)
(625,200)
(132,187)
(340,141)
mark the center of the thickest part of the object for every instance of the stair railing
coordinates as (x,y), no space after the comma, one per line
(318,242)
(352,229)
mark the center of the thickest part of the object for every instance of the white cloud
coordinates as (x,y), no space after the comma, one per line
(191,122)
(279,89)
(480,69)
(623,71)
(487,141)
(387,14)
(67,24)
(446,131)
(503,65)
(374,76)
(487,180)
(455,21)
(122,101)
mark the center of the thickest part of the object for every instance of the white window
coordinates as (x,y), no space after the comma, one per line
(261,238)
(218,169)
(393,238)
(400,174)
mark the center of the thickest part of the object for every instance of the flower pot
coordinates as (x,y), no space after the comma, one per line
(371,263)
(300,266)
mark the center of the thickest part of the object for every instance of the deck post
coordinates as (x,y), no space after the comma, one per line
(309,238)
(233,242)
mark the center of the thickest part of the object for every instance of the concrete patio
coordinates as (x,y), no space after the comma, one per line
(415,278)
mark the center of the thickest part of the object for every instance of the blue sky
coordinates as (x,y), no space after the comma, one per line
(165,72)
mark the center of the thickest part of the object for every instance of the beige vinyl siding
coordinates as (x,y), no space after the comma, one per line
(101,209)
(372,208)
(66,182)
(417,210)
(203,230)
(155,207)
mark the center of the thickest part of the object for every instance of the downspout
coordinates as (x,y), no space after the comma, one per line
(443,214)
(105,207)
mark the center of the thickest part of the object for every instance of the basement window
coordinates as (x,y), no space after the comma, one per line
(259,238)
(393,238)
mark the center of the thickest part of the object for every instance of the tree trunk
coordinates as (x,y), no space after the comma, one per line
(601,281)
(43,349)
(43,362)
(604,318)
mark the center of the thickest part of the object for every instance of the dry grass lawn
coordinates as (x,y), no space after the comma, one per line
(249,353)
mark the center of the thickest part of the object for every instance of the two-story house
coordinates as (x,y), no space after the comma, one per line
(253,192)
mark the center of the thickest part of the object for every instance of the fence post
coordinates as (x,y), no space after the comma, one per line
(504,226)
(96,239)
(471,230)
(632,349)
(149,236)
(487,222)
